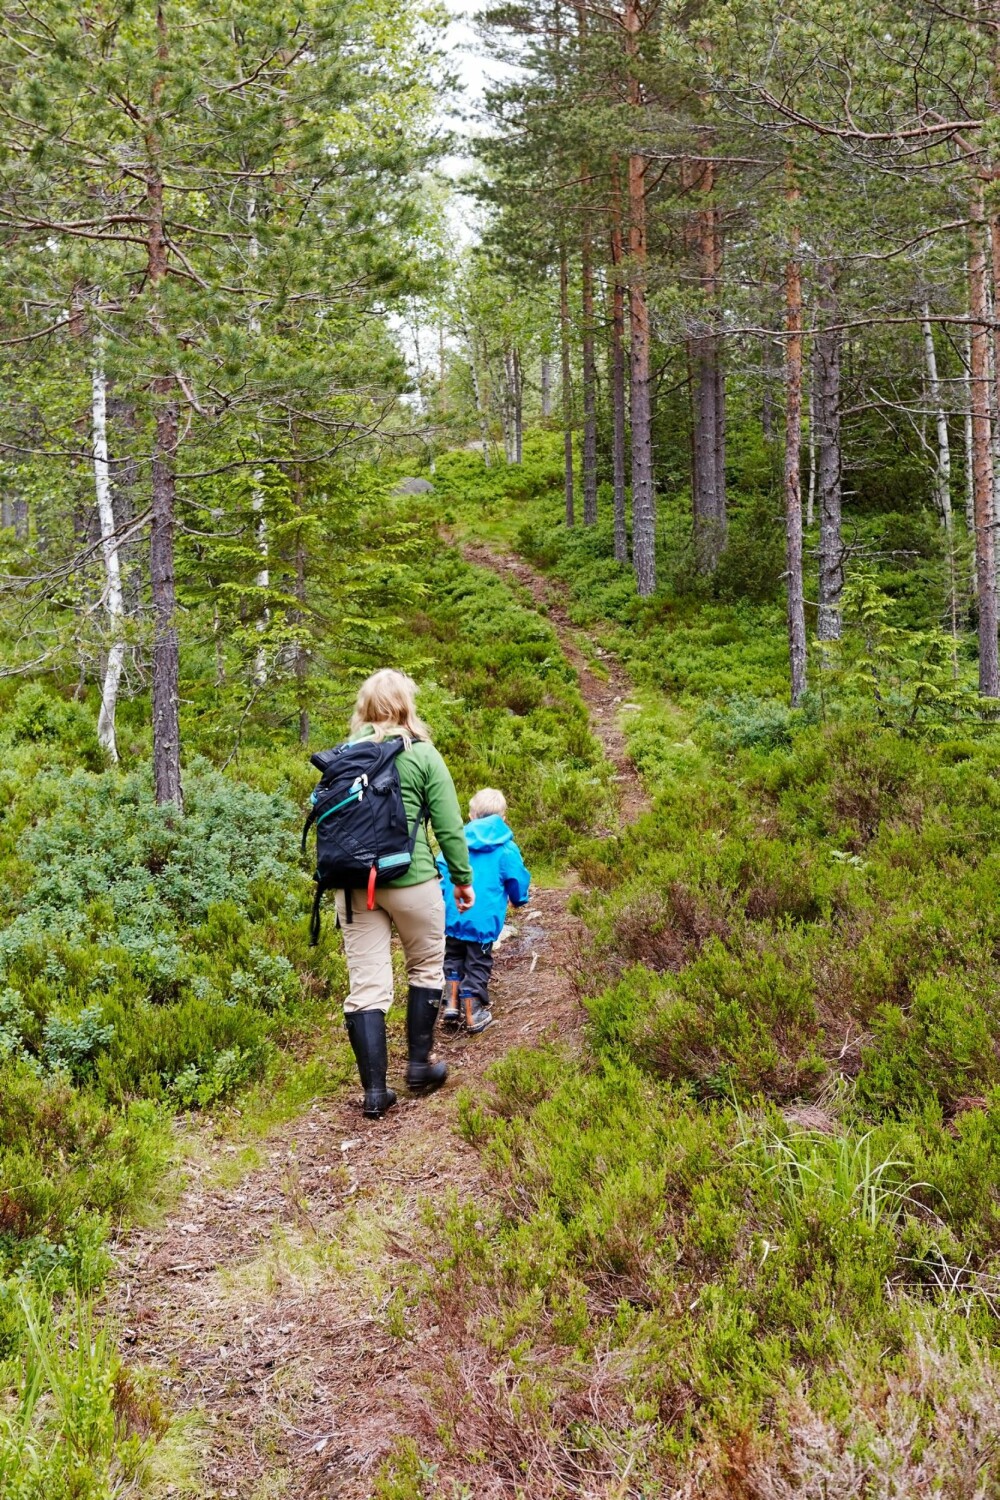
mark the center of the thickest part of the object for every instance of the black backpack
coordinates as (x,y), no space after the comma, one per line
(362,835)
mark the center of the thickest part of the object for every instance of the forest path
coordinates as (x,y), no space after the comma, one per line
(280,1299)
(606,691)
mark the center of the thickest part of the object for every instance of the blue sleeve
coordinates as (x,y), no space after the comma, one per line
(516,879)
(442,868)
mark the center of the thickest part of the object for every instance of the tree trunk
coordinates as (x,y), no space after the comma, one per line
(705,458)
(982,464)
(942,474)
(589,387)
(970,518)
(793,457)
(114,603)
(643,496)
(518,406)
(301,653)
(811,500)
(442,380)
(263,579)
(512,407)
(709,464)
(993,301)
(166,656)
(546,378)
(826,370)
(21,519)
(722,519)
(567,388)
(618,371)
(507,408)
(477,391)
(123,424)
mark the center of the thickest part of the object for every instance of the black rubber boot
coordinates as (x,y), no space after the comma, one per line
(366,1030)
(422,1075)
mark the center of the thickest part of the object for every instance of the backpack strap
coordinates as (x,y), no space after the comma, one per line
(423,816)
(315,919)
(309,823)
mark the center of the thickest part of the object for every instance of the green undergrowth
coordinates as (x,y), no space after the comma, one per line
(153,966)
(506,710)
(752,1245)
(718,644)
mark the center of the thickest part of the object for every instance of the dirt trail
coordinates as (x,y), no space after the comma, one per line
(605,695)
(273,1298)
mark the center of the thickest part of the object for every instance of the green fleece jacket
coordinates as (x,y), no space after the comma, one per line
(425,781)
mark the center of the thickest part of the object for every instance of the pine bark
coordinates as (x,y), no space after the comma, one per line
(826,370)
(993,301)
(617,331)
(643,495)
(263,579)
(793,460)
(567,387)
(301,653)
(709,460)
(589,385)
(970,505)
(811,420)
(767,409)
(166,652)
(982,463)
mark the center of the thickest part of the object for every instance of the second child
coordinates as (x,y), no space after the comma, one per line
(499,875)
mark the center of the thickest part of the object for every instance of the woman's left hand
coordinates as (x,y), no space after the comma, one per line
(465,897)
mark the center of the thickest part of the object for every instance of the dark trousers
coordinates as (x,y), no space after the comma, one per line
(471,964)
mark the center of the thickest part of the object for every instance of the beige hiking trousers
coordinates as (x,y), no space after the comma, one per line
(417,912)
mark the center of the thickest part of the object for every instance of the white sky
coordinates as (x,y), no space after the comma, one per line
(474,68)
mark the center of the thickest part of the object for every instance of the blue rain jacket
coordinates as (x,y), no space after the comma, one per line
(498,876)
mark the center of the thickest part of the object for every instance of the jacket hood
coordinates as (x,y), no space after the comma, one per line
(487,833)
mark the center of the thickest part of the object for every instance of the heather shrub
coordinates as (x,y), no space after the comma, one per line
(758,1227)
(938,1049)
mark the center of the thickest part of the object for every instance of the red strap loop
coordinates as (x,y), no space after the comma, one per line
(371,889)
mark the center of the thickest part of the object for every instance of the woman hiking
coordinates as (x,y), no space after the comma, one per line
(386,709)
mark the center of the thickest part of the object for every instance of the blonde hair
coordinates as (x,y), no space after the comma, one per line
(386,703)
(487,803)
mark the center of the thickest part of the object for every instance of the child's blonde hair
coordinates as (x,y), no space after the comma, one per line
(387,702)
(487,803)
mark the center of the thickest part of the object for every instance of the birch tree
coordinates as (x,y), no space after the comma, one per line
(191,117)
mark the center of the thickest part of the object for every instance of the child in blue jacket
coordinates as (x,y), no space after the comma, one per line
(498,876)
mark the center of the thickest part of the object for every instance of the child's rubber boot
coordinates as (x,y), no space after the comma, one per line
(366,1030)
(423,1075)
(477,1015)
(451,1013)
